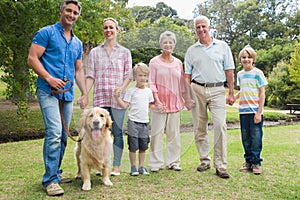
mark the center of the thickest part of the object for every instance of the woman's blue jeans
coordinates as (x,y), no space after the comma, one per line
(55,140)
(117,116)
(251,138)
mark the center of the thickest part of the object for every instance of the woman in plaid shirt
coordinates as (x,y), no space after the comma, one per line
(110,68)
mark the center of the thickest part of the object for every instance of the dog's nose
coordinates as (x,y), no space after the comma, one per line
(96,123)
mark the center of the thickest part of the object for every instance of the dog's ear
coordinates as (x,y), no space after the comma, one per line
(83,117)
(108,120)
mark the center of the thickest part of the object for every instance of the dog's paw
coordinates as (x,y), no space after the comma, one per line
(86,186)
(107,182)
(78,176)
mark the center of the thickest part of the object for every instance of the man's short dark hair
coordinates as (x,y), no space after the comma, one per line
(66,2)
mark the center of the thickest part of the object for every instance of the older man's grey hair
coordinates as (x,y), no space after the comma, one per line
(201,17)
(167,34)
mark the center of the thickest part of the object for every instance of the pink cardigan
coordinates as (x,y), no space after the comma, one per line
(167,80)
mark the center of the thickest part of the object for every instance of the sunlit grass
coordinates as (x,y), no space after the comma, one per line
(22,168)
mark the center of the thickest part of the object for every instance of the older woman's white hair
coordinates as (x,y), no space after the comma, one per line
(167,34)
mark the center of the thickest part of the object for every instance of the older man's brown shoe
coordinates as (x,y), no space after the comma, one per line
(222,173)
(203,167)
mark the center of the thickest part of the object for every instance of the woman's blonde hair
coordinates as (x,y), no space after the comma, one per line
(113,20)
(250,51)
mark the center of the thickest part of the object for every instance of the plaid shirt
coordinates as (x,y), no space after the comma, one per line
(108,72)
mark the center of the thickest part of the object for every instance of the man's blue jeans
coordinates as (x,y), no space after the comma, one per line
(55,140)
(117,116)
(251,138)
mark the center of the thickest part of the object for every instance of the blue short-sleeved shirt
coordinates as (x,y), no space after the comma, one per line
(59,57)
(207,64)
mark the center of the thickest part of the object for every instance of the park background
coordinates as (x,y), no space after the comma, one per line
(271,27)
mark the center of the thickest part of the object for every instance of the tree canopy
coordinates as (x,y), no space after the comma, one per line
(271,27)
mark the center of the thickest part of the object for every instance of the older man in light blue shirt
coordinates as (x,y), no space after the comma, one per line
(208,65)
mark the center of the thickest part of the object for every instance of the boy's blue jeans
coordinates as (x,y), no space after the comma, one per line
(251,138)
(55,140)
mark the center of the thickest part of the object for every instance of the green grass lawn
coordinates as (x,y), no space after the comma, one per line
(22,168)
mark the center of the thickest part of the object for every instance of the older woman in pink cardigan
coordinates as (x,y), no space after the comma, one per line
(166,80)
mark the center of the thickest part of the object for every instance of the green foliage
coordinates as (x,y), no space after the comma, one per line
(146,37)
(268,58)
(21,19)
(278,86)
(294,68)
(161,9)
(267,25)
(146,54)
(284,87)
(294,71)
(143,55)
(89,25)
(17,28)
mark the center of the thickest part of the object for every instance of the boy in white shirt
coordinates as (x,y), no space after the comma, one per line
(139,99)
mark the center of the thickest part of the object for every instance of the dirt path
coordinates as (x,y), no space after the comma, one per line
(7,105)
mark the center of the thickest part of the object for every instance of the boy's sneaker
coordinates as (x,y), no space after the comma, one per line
(246,167)
(54,190)
(256,169)
(134,171)
(143,170)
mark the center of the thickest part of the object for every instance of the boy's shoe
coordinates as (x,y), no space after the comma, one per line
(143,170)
(203,167)
(246,167)
(134,171)
(54,190)
(222,173)
(256,169)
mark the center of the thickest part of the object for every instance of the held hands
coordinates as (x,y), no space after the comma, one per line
(190,104)
(230,100)
(83,101)
(158,107)
(117,92)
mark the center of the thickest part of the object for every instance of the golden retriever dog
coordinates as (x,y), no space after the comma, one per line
(95,149)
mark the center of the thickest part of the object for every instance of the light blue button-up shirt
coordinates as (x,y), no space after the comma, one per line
(59,57)
(207,64)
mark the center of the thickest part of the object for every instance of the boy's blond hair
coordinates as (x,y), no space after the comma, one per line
(140,67)
(250,51)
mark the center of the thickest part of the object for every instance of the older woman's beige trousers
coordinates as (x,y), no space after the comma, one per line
(161,123)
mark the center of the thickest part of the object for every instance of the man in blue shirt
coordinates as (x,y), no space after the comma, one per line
(208,64)
(56,56)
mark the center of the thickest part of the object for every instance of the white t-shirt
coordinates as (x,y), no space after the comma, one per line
(138,100)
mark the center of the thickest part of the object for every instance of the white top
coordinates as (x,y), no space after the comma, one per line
(138,100)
